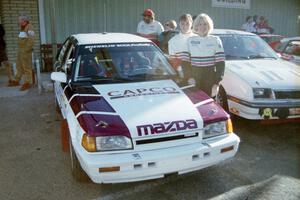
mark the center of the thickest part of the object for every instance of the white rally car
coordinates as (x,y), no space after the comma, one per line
(127,118)
(257,83)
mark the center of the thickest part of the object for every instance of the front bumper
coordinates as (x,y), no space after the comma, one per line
(273,109)
(144,165)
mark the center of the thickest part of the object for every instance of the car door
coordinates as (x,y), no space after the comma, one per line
(64,65)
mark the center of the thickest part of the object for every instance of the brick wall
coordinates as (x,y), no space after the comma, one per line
(9,12)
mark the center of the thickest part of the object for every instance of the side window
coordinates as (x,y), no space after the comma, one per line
(293,48)
(63,50)
(68,59)
(60,56)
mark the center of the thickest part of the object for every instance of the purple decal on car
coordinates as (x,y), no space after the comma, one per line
(212,112)
(90,103)
(196,95)
(103,125)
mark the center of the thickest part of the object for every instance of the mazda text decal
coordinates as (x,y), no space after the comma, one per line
(141,92)
(165,127)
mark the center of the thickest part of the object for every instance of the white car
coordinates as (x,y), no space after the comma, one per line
(257,84)
(128,120)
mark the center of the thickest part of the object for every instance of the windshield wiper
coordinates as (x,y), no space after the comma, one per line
(259,56)
(97,78)
(235,57)
(151,76)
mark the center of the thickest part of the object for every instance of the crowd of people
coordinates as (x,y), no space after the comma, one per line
(258,25)
(24,54)
(196,54)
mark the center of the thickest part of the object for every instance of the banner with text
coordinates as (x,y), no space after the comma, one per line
(242,4)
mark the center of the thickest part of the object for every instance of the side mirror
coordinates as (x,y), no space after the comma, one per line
(59,76)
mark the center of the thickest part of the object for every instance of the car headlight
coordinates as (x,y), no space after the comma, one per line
(217,128)
(106,143)
(262,93)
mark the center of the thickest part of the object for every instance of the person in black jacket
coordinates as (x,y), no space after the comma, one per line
(165,36)
(3,56)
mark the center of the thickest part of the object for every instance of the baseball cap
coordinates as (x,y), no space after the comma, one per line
(148,12)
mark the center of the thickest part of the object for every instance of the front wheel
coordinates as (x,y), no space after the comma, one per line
(222,99)
(77,172)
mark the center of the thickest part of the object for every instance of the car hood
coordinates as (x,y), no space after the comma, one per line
(145,104)
(276,74)
(144,109)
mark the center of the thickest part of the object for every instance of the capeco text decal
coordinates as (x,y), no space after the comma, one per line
(165,127)
(141,92)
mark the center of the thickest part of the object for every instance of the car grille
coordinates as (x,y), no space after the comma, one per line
(287,94)
(165,139)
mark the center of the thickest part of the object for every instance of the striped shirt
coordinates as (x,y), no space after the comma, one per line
(205,51)
(178,47)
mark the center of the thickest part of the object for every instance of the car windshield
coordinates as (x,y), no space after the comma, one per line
(239,47)
(121,62)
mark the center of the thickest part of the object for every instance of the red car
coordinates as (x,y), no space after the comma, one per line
(271,39)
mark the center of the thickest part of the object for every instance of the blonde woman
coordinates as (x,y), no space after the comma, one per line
(206,55)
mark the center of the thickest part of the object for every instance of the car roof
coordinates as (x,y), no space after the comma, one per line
(230,32)
(270,35)
(107,38)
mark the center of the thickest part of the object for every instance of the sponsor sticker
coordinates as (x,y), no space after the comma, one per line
(91,47)
(195,43)
(165,127)
(266,113)
(116,94)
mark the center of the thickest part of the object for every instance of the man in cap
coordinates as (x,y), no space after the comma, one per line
(149,27)
(24,55)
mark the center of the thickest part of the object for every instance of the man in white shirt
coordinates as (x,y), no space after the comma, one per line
(149,27)
(249,25)
(178,47)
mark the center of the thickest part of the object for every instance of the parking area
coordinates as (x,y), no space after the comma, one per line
(33,166)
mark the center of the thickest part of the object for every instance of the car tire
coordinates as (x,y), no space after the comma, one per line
(77,172)
(222,99)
